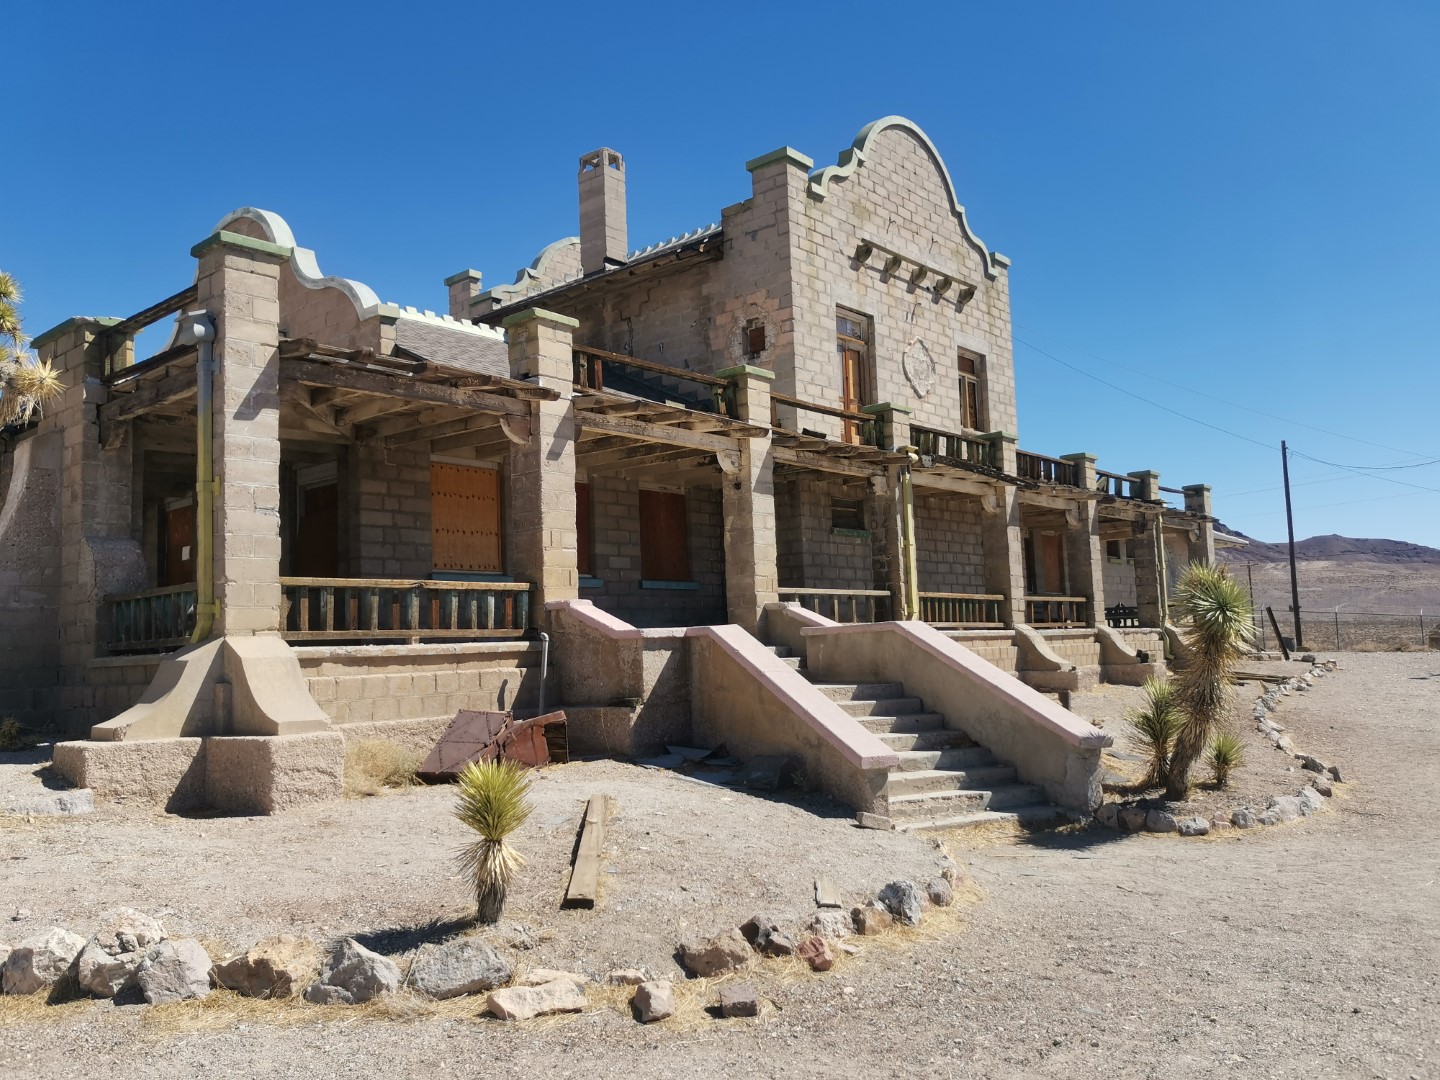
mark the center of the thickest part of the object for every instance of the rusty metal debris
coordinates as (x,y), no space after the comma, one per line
(485,736)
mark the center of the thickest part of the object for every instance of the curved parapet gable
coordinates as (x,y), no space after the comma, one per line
(533,277)
(859,151)
(302,260)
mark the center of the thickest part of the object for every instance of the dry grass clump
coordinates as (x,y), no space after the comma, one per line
(1390,646)
(13,736)
(372,765)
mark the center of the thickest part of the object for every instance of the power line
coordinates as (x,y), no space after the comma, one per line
(1212,397)
(1328,506)
(1358,472)
(1147,401)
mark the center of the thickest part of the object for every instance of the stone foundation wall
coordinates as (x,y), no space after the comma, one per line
(118,682)
(999,648)
(1079,647)
(30,580)
(1150,641)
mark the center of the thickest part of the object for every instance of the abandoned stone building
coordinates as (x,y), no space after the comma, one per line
(757,484)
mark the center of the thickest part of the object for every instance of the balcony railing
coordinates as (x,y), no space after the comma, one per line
(842,605)
(859,429)
(1053,612)
(953,446)
(156,620)
(366,609)
(591,366)
(962,611)
(1047,470)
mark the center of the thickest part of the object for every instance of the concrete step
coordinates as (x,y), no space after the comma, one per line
(981,778)
(781,651)
(1036,815)
(942,739)
(911,724)
(951,758)
(795,662)
(943,804)
(861,691)
(891,706)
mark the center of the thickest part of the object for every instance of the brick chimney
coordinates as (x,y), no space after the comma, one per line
(603,236)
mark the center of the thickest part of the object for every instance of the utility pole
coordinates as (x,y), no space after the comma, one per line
(1290,527)
(1254,614)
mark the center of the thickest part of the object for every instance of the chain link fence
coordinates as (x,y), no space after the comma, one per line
(1354,631)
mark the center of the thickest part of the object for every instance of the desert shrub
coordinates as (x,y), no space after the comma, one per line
(374,764)
(1226,753)
(1154,726)
(13,736)
(494,802)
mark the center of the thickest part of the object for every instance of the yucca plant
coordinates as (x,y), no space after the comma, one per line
(494,803)
(1226,753)
(1154,727)
(1218,628)
(26,384)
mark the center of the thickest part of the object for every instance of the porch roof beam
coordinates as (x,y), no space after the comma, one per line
(636,457)
(804,459)
(1056,502)
(661,433)
(458,426)
(311,373)
(925,481)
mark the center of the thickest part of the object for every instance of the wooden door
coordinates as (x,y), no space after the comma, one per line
(852,373)
(465,526)
(178,565)
(584,531)
(317,534)
(664,537)
(1052,563)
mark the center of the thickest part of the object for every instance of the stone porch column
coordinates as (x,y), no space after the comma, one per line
(1149,485)
(99,555)
(1084,469)
(544,541)
(886,505)
(1085,556)
(1149,588)
(1002,542)
(1202,535)
(1004,445)
(239,284)
(751,575)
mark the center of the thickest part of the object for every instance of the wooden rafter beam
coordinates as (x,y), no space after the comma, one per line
(460,426)
(637,457)
(804,459)
(648,432)
(312,373)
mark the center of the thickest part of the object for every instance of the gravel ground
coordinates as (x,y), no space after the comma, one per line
(1303,950)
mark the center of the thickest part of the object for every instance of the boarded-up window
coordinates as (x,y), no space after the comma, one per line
(664,538)
(585,531)
(465,518)
(1045,563)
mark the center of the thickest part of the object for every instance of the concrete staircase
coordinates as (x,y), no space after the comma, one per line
(944,780)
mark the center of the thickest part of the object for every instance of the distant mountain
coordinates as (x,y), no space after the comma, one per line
(1346,549)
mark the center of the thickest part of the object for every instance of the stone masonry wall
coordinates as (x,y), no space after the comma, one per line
(29,580)
(1119,580)
(1077,646)
(813,554)
(948,544)
(390,526)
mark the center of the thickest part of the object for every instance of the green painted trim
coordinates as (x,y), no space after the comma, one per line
(686,586)
(249,243)
(857,534)
(886,406)
(463,275)
(786,154)
(75,322)
(589,582)
(536,314)
(1001,260)
(745,369)
(1001,436)
(1091,458)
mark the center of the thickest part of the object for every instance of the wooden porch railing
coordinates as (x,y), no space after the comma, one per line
(842,605)
(155,620)
(961,611)
(1052,612)
(1046,470)
(1121,487)
(953,445)
(590,367)
(860,429)
(377,609)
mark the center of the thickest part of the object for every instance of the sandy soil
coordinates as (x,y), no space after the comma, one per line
(1306,950)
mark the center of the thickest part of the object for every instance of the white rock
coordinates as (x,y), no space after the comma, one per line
(39,961)
(178,969)
(525,1002)
(458,967)
(545,976)
(111,958)
(653,1001)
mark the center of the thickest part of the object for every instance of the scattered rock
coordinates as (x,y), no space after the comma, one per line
(1310,801)
(1284,743)
(1269,817)
(1108,815)
(178,969)
(653,1001)
(902,899)
(940,893)
(815,951)
(847,948)
(458,967)
(1160,821)
(1132,819)
(525,1002)
(1313,764)
(111,958)
(1220,824)
(1193,826)
(867,820)
(1286,806)
(757,930)
(1308,658)
(715,956)
(358,973)
(318,993)
(950,872)
(276,967)
(54,804)
(546,976)
(832,924)
(871,919)
(739,999)
(1244,818)
(779,944)
(1322,785)
(38,962)
(626,977)
(1334,772)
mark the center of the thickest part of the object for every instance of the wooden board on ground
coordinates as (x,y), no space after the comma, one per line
(584,886)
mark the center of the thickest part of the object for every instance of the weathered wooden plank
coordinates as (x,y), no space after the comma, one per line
(316,374)
(584,886)
(647,432)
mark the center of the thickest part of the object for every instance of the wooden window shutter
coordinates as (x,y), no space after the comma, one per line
(664,537)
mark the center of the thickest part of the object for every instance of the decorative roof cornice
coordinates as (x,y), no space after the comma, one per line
(527,277)
(855,156)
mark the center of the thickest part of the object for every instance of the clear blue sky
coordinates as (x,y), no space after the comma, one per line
(1235,198)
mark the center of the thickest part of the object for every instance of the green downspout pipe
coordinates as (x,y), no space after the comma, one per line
(198,328)
(1164,571)
(907,542)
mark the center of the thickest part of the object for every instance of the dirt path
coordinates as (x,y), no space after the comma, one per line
(1308,950)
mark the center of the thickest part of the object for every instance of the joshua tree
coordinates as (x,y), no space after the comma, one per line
(1217,626)
(26,383)
(1227,752)
(1154,728)
(492,802)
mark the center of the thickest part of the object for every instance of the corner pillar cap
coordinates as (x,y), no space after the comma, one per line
(235,240)
(1145,474)
(740,371)
(788,154)
(542,316)
(75,322)
(1001,436)
(463,275)
(884,407)
(1090,458)
(1197,489)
